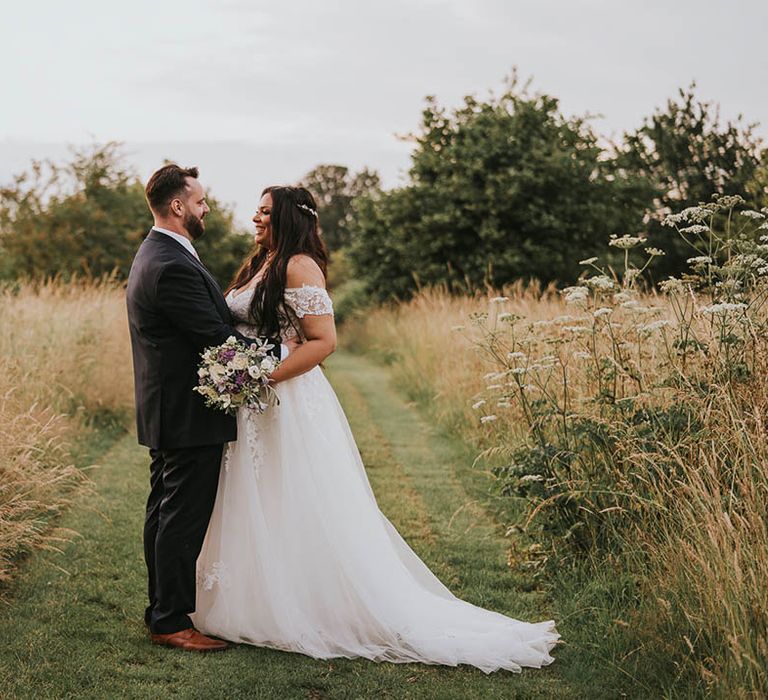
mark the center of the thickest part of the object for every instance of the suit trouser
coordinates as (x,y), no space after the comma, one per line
(183,485)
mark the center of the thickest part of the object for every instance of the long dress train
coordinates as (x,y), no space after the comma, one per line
(299,557)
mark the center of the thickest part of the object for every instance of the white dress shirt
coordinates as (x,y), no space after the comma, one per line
(179,239)
(284,352)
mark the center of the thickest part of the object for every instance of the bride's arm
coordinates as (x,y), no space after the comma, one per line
(319,330)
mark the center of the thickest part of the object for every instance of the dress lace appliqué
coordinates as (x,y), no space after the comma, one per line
(252,440)
(217,573)
(308,301)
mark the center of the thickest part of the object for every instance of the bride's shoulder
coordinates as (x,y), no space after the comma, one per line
(303,270)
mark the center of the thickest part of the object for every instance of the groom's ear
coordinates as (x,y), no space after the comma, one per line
(176,206)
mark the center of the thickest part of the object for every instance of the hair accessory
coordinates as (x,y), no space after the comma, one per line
(309,209)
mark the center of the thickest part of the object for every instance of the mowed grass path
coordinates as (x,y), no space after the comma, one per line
(71,627)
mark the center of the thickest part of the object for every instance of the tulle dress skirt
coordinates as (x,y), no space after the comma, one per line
(299,557)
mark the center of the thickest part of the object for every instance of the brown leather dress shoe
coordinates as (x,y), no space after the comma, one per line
(189,640)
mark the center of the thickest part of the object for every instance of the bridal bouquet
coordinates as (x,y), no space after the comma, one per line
(234,374)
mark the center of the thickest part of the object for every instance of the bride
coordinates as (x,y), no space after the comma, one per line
(298,555)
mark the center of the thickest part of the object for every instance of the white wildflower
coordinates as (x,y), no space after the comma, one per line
(588,261)
(696,214)
(602,311)
(504,316)
(504,404)
(750,214)
(672,285)
(494,387)
(517,355)
(518,370)
(621,297)
(727,201)
(559,320)
(625,242)
(532,477)
(763,270)
(478,404)
(542,324)
(729,285)
(654,326)
(762,227)
(722,308)
(747,260)
(573,295)
(699,260)
(499,300)
(654,252)
(488,419)
(577,329)
(695,229)
(601,283)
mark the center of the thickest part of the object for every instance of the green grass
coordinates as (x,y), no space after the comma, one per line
(71,626)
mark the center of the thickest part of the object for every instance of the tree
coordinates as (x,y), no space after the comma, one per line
(501,189)
(85,217)
(334,189)
(88,216)
(683,155)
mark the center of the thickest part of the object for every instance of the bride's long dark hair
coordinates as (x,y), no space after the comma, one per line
(295,231)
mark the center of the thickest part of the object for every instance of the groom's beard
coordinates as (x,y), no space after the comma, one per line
(194,226)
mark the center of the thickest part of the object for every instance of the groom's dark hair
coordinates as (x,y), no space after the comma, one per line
(165,185)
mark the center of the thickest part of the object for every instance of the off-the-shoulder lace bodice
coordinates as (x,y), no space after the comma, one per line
(306,300)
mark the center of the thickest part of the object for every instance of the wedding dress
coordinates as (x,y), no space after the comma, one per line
(299,557)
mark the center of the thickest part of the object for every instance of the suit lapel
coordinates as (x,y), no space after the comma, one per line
(167,240)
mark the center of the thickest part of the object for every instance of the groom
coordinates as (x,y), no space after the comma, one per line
(175,311)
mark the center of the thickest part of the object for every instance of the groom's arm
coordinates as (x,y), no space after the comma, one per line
(184,298)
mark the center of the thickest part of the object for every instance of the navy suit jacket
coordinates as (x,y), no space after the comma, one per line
(175,311)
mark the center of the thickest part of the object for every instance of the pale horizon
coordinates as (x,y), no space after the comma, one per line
(256,94)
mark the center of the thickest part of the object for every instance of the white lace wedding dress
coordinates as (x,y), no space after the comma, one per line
(299,557)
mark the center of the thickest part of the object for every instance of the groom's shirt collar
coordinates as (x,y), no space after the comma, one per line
(179,238)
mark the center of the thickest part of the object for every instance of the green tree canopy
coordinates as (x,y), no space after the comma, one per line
(500,189)
(87,217)
(682,155)
(334,189)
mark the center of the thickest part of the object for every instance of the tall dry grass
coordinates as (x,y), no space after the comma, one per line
(439,352)
(637,425)
(64,362)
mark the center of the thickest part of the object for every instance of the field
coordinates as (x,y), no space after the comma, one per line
(596,456)
(630,429)
(64,370)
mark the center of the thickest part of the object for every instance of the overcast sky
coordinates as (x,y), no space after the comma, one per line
(257,92)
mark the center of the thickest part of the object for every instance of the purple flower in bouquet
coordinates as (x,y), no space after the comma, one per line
(236,375)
